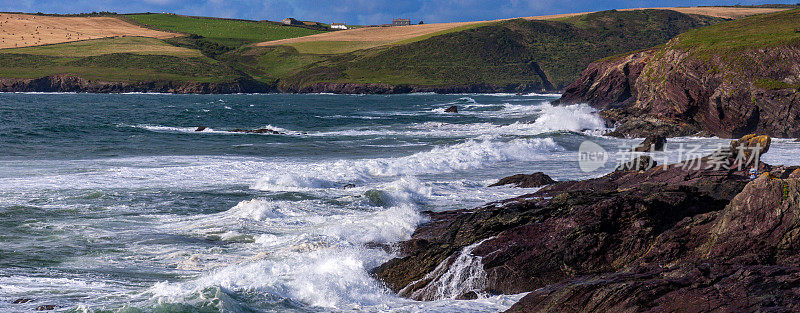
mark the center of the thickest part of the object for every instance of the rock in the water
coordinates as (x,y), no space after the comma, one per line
(21,301)
(468,296)
(452,109)
(751,146)
(257,131)
(652,143)
(201,128)
(46,307)
(640,163)
(348,186)
(534,180)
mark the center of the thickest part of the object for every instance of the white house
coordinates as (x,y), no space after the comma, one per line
(338,26)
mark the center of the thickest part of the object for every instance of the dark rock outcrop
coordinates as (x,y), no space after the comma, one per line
(452,109)
(691,236)
(652,143)
(534,180)
(640,163)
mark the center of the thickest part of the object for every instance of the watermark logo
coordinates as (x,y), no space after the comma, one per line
(591,156)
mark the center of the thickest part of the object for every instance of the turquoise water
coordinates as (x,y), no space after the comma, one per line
(115,202)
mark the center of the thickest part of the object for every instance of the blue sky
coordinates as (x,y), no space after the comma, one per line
(352,11)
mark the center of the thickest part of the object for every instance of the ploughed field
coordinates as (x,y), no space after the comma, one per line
(23,30)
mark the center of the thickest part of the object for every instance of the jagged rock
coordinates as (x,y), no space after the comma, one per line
(670,238)
(452,109)
(683,288)
(201,128)
(534,180)
(21,301)
(640,163)
(652,143)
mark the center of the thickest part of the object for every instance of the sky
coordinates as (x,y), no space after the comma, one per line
(353,11)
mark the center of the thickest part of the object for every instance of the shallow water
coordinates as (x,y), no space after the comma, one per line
(116,203)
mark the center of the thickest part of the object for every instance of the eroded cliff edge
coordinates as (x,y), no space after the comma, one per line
(727,80)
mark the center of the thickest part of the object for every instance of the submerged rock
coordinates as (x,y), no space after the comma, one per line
(452,109)
(21,301)
(201,128)
(46,307)
(534,180)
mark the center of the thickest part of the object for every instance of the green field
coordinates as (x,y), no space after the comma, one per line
(231,33)
(758,31)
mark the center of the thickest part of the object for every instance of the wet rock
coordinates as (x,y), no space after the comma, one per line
(21,301)
(640,163)
(201,128)
(452,109)
(652,143)
(46,307)
(668,238)
(348,186)
(468,296)
(534,180)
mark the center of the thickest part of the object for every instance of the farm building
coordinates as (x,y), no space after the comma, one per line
(338,26)
(401,22)
(291,21)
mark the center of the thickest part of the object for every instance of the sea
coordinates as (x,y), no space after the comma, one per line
(117,203)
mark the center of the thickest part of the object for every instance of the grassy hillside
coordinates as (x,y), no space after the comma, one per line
(523,54)
(115,59)
(760,31)
(504,53)
(231,33)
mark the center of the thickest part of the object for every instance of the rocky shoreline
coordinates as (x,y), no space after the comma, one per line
(73,83)
(683,237)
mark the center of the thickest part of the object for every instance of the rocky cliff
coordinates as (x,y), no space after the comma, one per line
(730,79)
(685,237)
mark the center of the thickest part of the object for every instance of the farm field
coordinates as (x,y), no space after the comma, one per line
(231,33)
(22,30)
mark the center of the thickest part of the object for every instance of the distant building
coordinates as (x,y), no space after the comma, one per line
(338,26)
(291,21)
(401,22)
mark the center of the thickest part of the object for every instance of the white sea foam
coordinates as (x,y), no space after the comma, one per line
(460,274)
(468,155)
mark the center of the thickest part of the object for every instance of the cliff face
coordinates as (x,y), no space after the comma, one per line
(666,239)
(723,86)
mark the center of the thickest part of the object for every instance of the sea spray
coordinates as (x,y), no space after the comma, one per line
(455,277)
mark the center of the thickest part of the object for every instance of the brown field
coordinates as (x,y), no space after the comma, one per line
(378,36)
(25,30)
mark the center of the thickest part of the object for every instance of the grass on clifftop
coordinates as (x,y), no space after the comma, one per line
(231,33)
(759,31)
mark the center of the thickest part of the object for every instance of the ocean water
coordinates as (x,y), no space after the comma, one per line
(114,203)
